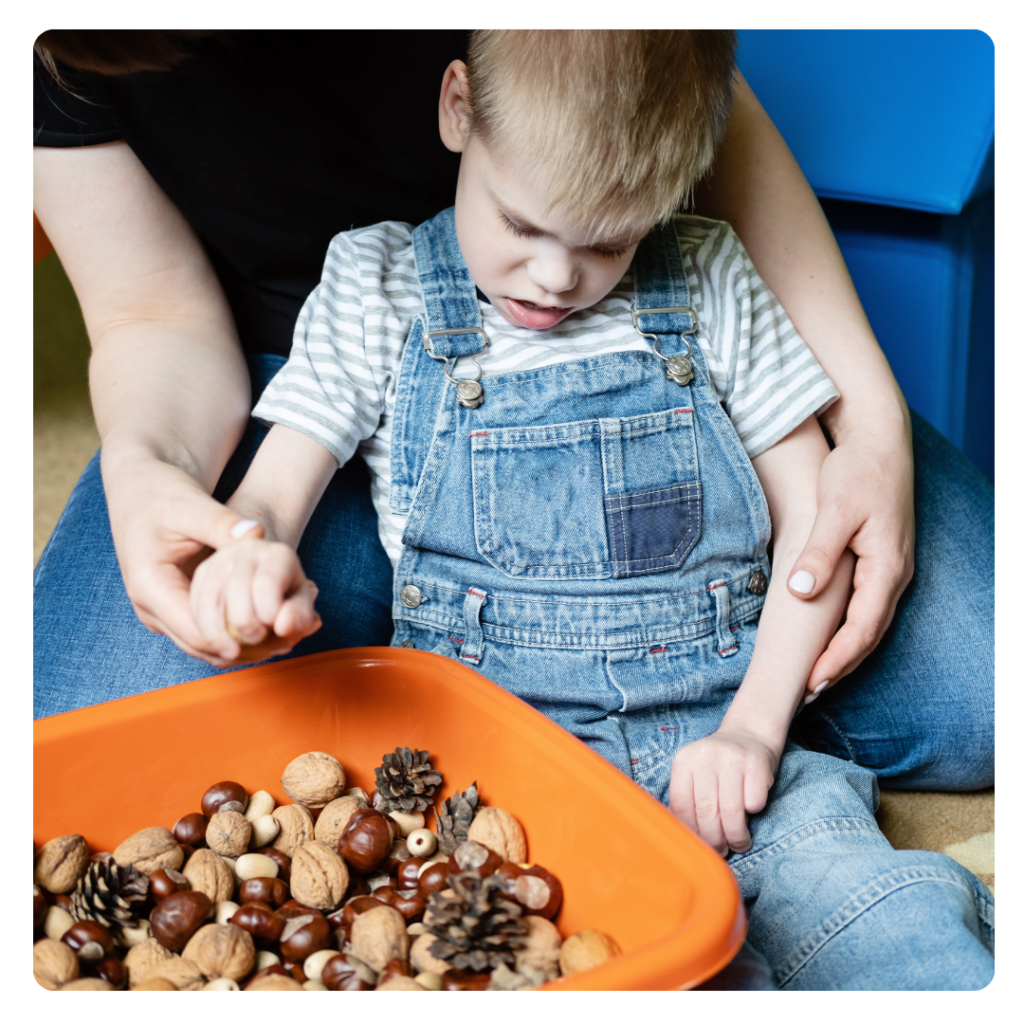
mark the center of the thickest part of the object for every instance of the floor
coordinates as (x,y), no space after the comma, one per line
(959,824)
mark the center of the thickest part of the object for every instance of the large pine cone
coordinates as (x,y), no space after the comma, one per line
(454,816)
(109,894)
(476,927)
(406,781)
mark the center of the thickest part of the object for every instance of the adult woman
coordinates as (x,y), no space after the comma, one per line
(189,248)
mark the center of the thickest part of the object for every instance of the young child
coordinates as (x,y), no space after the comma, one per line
(585,418)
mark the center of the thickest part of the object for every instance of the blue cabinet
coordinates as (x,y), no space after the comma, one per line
(894,130)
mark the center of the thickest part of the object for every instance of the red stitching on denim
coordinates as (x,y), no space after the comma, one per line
(636,760)
(731,628)
(658,650)
(726,649)
(455,639)
(715,586)
(475,593)
(482,433)
(668,728)
(682,410)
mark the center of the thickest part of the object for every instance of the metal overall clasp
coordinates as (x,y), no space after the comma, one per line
(679,368)
(467,389)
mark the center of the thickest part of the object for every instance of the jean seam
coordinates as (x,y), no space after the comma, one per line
(868,897)
(843,737)
(847,823)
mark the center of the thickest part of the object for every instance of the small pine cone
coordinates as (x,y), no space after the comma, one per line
(406,781)
(476,927)
(454,816)
(109,894)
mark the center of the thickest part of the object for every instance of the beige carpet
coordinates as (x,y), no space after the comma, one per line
(961,825)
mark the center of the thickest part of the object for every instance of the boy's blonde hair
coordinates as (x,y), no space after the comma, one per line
(623,123)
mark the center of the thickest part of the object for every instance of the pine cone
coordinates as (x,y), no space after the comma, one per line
(476,927)
(407,781)
(110,894)
(454,816)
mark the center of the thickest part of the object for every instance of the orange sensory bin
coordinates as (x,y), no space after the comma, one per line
(627,866)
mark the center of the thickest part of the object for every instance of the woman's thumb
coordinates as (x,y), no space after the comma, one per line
(215,525)
(814,566)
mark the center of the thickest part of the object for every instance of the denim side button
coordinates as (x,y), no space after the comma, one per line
(407,644)
(410,596)
(758,583)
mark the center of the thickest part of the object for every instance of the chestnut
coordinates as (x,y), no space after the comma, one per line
(366,841)
(538,891)
(357,886)
(507,875)
(462,980)
(295,970)
(434,879)
(473,856)
(177,918)
(89,939)
(395,968)
(293,908)
(39,907)
(384,893)
(111,970)
(260,922)
(166,882)
(339,974)
(265,890)
(408,874)
(412,908)
(221,793)
(63,901)
(191,829)
(356,906)
(304,935)
(283,861)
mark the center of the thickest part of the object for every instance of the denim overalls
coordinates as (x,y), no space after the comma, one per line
(593,537)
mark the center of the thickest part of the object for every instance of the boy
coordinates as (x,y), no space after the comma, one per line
(576,427)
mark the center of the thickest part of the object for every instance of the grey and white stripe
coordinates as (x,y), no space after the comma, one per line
(339,383)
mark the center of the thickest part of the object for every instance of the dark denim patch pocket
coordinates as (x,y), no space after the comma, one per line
(651,531)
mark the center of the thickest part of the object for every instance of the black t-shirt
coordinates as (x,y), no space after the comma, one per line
(270,143)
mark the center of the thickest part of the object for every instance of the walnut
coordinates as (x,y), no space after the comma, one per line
(499,831)
(319,876)
(379,935)
(208,873)
(400,983)
(586,949)
(540,950)
(87,985)
(228,833)
(61,863)
(314,779)
(149,960)
(54,963)
(504,979)
(149,850)
(296,828)
(334,817)
(422,959)
(221,951)
(274,983)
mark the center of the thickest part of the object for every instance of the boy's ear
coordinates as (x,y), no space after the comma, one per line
(452,113)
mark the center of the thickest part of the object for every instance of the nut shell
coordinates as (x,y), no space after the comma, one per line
(178,918)
(149,850)
(207,872)
(499,831)
(540,949)
(53,964)
(221,951)
(228,833)
(61,862)
(296,828)
(378,936)
(221,793)
(319,876)
(314,779)
(421,958)
(334,817)
(586,949)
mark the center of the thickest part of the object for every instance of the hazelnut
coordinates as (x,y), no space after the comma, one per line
(281,859)
(269,890)
(89,939)
(319,876)
(221,951)
(221,793)
(540,948)
(422,959)
(314,779)
(500,832)
(61,862)
(228,833)
(304,935)
(586,949)
(366,841)
(178,918)
(473,856)
(164,883)
(296,828)
(379,936)
(87,985)
(53,964)
(56,922)
(265,829)
(150,850)
(346,973)
(261,804)
(208,873)
(334,817)
(421,842)
(190,830)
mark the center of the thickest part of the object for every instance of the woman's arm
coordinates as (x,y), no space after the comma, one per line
(170,388)
(865,490)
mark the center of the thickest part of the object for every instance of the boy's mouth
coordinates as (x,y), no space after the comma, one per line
(534,316)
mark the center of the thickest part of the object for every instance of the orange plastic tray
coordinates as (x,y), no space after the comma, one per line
(627,866)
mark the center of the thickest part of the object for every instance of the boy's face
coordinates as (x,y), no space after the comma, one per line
(535,267)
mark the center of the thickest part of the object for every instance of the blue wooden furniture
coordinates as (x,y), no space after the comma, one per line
(894,130)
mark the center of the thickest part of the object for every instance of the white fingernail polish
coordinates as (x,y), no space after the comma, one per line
(811,697)
(820,687)
(801,581)
(242,527)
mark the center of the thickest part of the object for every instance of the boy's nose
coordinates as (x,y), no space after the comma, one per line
(554,270)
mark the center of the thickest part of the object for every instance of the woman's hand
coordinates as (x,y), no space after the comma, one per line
(865,503)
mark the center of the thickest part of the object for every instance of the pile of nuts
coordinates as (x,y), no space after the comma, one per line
(326,893)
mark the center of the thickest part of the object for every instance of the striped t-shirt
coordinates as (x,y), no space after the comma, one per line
(339,383)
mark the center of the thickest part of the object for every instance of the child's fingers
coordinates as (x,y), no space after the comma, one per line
(733,812)
(242,621)
(680,796)
(705,802)
(277,577)
(206,602)
(298,617)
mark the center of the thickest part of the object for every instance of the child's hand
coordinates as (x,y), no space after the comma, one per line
(717,781)
(252,601)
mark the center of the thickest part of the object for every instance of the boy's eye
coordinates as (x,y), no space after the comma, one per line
(517,229)
(612,253)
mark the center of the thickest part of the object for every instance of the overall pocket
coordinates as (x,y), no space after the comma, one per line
(588,500)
